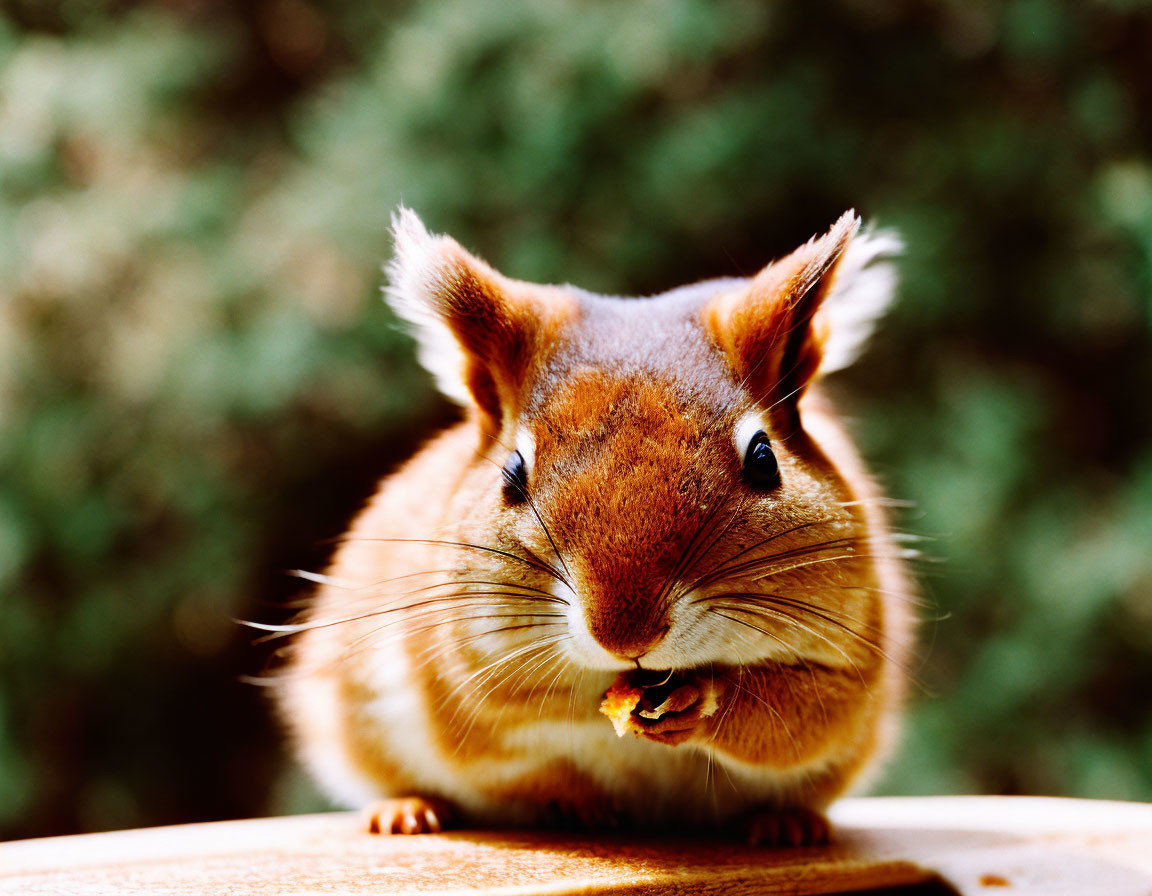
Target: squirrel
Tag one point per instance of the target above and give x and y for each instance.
(650, 512)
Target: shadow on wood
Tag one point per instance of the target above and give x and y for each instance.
(922, 846)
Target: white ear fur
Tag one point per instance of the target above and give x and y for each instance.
(414, 273)
(863, 287)
(862, 290)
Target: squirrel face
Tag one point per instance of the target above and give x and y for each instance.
(651, 453)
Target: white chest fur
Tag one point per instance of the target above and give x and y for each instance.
(648, 782)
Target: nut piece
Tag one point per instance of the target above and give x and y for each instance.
(618, 703)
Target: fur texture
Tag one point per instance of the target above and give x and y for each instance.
(462, 641)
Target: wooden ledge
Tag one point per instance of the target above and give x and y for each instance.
(985, 845)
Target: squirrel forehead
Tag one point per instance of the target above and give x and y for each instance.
(638, 358)
(595, 404)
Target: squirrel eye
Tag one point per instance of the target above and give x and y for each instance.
(760, 467)
(515, 474)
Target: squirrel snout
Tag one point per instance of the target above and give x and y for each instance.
(627, 639)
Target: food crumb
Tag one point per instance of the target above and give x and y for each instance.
(618, 704)
(993, 880)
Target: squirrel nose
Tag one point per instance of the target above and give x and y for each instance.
(629, 645)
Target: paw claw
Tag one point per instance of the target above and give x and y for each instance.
(407, 815)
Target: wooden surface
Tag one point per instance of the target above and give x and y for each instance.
(979, 845)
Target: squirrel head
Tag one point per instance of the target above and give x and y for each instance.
(645, 443)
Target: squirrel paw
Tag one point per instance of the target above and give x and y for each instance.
(676, 720)
(407, 815)
(581, 816)
(676, 710)
(786, 828)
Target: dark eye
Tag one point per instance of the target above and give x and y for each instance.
(760, 467)
(515, 475)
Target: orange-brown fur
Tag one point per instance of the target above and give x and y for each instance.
(399, 683)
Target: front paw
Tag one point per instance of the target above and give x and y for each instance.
(407, 815)
(773, 826)
(592, 813)
(675, 719)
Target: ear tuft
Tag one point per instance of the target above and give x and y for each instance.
(862, 289)
(415, 273)
(821, 254)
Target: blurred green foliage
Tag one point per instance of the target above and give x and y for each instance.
(198, 386)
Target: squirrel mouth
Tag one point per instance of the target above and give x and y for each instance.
(643, 696)
(662, 693)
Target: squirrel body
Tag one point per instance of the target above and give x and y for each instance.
(642, 487)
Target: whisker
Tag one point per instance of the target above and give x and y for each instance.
(907, 596)
(451, 614)
(448, 619)
(548, 690)
(877, 502)
(488, 672)
(506, 657)
(788, 647)
(450, 571)
(683, 560)
(467, 640)
(757, 598)
(464, 545)
(436, 650)
(721, 567)
(544, 597)
(567, 578)
(761, 576)
(802, 606)
(508, 480)
(453, 600)
(738, 569)
(781, 614)
(693, 553)
(455, 582)
(555, 572)
(320, 579)
(522, 676)
(772, 709)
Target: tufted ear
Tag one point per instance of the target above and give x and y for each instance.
(862, 289)
(807, 314)
(479, 333)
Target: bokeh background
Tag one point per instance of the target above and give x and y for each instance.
(199, 385)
